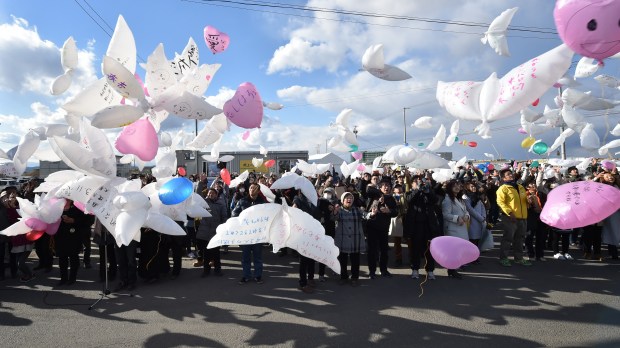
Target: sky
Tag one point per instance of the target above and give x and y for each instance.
(307, 58)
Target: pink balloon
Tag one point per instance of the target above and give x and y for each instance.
(245, 108)
(216, 40)
(490, 166)
(357, 155)
(270, 163)
(32, 236)
(138, 138)
(245, 135)
(608, 165)
(79, 205)
(36, 224)
(453, 252)
(522, 131)
(579, 204)
(52, 228)
(361, 167)
(146, 91)
(589, 27)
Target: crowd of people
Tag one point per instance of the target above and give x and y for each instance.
(363, 215)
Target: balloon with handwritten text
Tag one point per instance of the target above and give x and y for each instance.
(216, 40)
(245, 108)
(579, 204)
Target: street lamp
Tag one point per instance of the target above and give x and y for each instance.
(405, 125)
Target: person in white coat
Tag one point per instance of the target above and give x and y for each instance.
(455, 216)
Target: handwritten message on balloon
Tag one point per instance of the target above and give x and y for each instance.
(579, 204)
(216, 40)
(245, 108)
(281, 226)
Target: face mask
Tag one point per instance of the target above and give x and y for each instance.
(242, 190)
(327, 195)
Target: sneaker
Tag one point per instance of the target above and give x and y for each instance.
(559, 256)
(568, 257)
(415, 274)
(243, 281)
(505, 262)
(258, 280)
(430, 275)
(523, 262)
(322, 279)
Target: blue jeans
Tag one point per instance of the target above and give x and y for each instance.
(257, 257)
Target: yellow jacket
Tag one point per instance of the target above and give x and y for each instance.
(511, 201)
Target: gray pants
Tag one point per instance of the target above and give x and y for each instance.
(514, 233)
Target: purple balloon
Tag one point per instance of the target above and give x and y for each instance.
(579, 204)
(453, 252)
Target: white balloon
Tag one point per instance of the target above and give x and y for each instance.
(239, 179)
(226, 158)
(116, 116)
(159, 74)
(586, 101)
(257, 162)
(428, 160)
(163, 224)
(610, 145)
(390, 73)
(561, 139)
(198, 80)
(186, 61)
(373, 57)
(263, 150)
(438, 139)
(589, 138)
(496, 34)
(343, 118)
(93, 98)
(61, 83)
(423, 122)
(121, 79)
(122, 46)
(616, 130)
(292, 180)
(273, 106)
(69, 54)
(266, 191)
(606, 80)
(27, 146)
(405, 155)
(586, 67)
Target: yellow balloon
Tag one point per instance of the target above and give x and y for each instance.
(527, 142)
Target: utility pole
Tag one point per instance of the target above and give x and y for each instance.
(405, 125)
(197, 169)
(563, 146)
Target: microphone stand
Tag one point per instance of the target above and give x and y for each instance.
(106, 285)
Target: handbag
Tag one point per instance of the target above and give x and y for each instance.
(487, 242)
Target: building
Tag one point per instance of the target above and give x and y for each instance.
(284, 161)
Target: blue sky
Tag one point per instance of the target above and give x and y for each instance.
(306, 60)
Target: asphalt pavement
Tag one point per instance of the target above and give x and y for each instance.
(550, 304)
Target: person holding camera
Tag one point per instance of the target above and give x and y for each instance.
(381, 210)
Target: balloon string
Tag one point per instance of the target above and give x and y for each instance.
(155, 255)
(428, 244)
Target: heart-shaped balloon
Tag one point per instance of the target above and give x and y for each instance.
(257, 162)
(36, 224)
(357, 155)
(140, 139)
(270, 163)
(216, 40)
(245, 108)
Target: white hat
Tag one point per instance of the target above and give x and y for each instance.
(344, 195)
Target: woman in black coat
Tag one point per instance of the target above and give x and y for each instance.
(73, 224)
